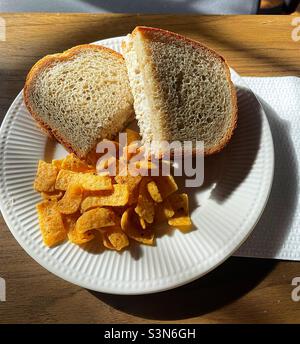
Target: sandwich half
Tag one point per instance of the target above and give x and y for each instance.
(182, 89)
(80, 96)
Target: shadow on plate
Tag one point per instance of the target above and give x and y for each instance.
(225, 171)
(230, 281)
(274, 224)
(96, 247)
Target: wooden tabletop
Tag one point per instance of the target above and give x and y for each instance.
(241, 290)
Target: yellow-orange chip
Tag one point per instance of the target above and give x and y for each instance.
(80, 238)
(115, 238)
(142, 223)
(181, 219)
(132, 183)
(132, 136)
(88, 181)
(131, 226)
(180, 202)
(45, 177)
(145, 205)
(57, 163)
(95, 219)
(52, 196)
(145, 208)
(72, 163)
(70, 220)
(73, 235)
(163, 211)
(166, 185)
(51, 223)
(154, 192)
(64, 178)
(106, 241)
(70, 203)
(118, 197)
(95, 183)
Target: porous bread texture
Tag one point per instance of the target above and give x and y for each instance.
(182, 89)
(80, 96)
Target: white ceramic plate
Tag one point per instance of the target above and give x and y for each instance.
(224, 210)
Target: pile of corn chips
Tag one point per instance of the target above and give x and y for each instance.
(78, 202)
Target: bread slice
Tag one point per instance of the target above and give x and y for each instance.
(182, 90)
(80, 96)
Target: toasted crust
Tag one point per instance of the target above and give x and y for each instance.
(146, 31)
(39, 67)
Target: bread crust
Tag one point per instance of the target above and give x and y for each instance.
(144, 31)
(39, 67)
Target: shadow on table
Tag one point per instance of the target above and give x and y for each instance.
(230, 281)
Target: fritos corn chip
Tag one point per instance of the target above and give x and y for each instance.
(116, 198)
(106, 241)
(45, 177)
(71, 200)
(181, 222)
(145, 205)
(70, 221)
(72, 163)
(166, 185)
(73, 235)
(163, 211)
(132, 183)
(80, 238)
(154, 192)
(115, 238)
(131, 226)
(142, 223)
(52, 196)
(51, 223)
(94, 183)
(181, 219)
(57, 163)
(95, 219)
(180, 202)
(88, 181)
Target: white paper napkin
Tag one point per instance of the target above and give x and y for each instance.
(277, 234)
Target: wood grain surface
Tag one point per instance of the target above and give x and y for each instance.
(241, 290)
